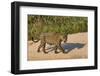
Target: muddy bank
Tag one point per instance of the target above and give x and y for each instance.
(76, 48)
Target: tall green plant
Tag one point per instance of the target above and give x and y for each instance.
(61, 24)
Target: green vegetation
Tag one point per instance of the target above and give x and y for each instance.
(61, 24)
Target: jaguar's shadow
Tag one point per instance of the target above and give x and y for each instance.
(70, 46)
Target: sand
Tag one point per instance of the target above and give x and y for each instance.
(76, 48)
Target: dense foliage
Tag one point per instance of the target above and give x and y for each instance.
(61, 24)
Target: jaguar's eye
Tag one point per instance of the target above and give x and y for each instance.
(32, 38)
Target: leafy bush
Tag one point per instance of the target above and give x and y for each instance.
(61, 24)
